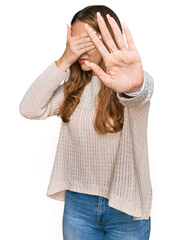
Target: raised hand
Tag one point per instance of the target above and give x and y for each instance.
(77, 45)
(124, 72)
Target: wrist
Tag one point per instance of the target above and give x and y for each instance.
(63, 64)
(133, 90)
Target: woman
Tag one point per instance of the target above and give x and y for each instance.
(101, 168)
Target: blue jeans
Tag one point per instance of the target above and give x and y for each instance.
(89, 217)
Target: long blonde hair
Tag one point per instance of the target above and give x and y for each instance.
(110, 118)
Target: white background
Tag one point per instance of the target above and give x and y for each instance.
(33, 34)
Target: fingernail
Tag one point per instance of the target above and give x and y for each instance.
(98, 14)
(86, 25)
(99, 37)
(87, 63)
(108, 15)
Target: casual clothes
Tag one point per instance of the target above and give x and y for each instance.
(114, 166)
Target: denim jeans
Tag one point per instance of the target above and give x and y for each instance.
(88, 217)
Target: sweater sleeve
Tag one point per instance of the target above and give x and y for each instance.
(141, 98)
(45, 94)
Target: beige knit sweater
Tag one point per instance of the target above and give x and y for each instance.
(114, 166)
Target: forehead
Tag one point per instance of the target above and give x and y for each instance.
(77, 28)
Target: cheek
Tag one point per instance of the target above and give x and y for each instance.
(94, 54)
(95, 51)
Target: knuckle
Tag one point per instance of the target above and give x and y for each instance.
(106, 38)
(89, 43)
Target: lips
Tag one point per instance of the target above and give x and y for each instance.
(82, 60)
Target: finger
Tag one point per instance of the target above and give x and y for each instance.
(106, 34)
(81, 44)
(97, 42)
(84, 50)
(83, 40)
(84, 45)
(129, 38)
(117, 33)
(80, 36)
(100, 73)
(68, 32)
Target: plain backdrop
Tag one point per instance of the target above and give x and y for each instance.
(33, 34)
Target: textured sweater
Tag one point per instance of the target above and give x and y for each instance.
(112, 165)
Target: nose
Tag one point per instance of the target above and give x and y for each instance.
(83, 56)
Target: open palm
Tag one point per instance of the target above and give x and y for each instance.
(124, 72)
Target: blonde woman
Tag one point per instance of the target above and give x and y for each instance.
(102, 94)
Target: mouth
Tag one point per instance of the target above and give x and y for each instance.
(82, 60)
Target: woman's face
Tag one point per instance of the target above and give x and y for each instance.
(92, 55)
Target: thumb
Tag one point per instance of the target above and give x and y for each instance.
(105, 78)
(68, 32)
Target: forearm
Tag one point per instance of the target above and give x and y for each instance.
(36, 99)
(63, 64)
